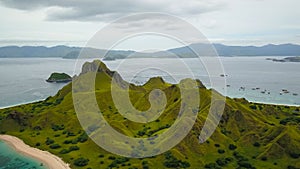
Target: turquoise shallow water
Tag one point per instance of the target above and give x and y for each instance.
(10, 159)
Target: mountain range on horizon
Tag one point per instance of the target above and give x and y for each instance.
(182, 52)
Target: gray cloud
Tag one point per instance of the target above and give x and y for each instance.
(95, 10)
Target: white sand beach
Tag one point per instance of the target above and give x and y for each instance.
(48, 159)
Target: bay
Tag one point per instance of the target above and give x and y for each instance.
(23, 80)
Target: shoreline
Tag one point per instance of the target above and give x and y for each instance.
(20, 104)
(47, 159)
(232, 97)
(258, 102)
(267, 103)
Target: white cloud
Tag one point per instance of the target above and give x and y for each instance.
(95, 10)
(227, 21)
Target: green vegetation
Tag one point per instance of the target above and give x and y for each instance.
(256, 144)
(59, 78)
(263, 137)
(72, 148)
(121, 161)
(173, 162)
(55, 146)
(49, 141)
(232, 147)
(81, 162)
(290, 120)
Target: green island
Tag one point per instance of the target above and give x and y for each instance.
(249, 135)
(59, 78)
(108, 59)
(287, 59)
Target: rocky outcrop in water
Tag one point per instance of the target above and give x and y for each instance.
(59, 78)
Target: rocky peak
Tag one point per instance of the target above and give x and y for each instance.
(96, 66)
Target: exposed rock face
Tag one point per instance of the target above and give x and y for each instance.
(99, 67)
(96, 66)
(59, 78)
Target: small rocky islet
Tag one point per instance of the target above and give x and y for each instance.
(59, 78)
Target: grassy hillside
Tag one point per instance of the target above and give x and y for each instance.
(249, 135)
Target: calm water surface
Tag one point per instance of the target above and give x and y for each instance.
(23, 80)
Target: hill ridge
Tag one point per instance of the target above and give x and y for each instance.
(249, 135)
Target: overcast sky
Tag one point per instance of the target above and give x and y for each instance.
(70, 22)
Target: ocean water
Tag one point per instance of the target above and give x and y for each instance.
(23, 80)
(253, 78)
(10, 159)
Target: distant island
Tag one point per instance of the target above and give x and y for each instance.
(108, 59)
(67, 52)
(59, 78)
(287, 59)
